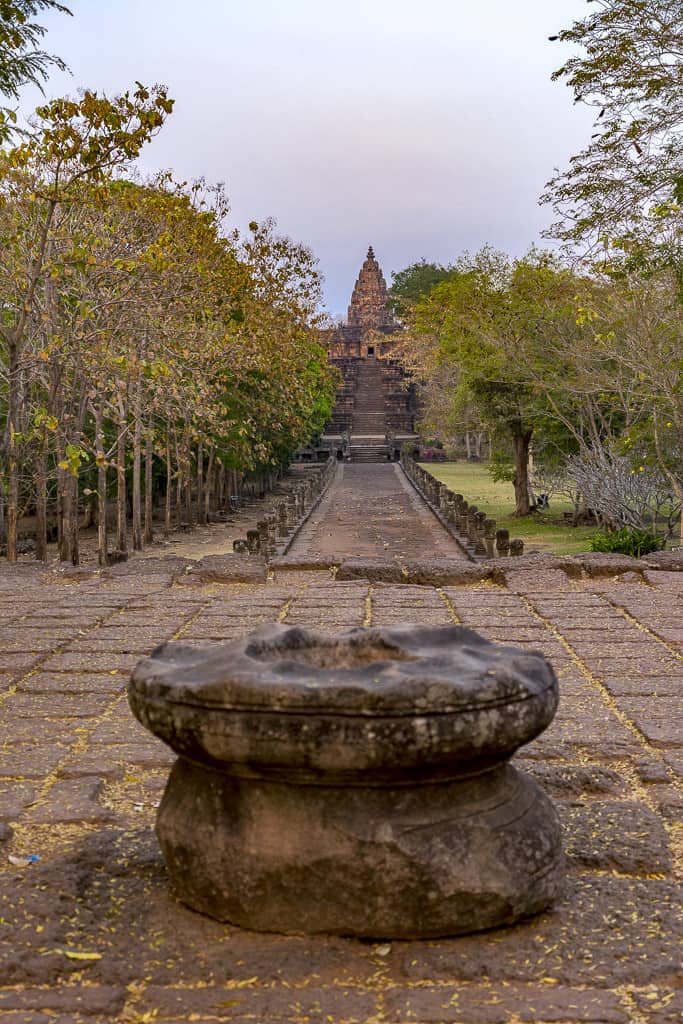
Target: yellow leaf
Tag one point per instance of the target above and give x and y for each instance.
(75, 954)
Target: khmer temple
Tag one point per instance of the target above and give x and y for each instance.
(374, 410)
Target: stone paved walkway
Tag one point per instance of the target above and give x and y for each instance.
(90, 932)
(371, 509)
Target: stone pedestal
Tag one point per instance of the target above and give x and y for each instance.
(355, 785)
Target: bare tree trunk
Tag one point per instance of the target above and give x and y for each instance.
(73, 521)
(3, 525)
(102, 542)
(201, 512)
(121, 518)
(521, 440)
(12, 454)
(63, 503)
(210, 486)
(187, 456)
(179, 482)
(149, 457)
(41, 500)
(169, 471)
(137, 466)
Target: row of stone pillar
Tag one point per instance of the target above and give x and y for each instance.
(273, 531)
(473, 526)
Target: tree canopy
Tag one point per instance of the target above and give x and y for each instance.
(631, 172)
(21, 59)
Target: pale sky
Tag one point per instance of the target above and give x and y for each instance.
(422, 127)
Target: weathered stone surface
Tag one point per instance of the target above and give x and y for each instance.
(457, 1004)
(535, 563)
(445, 572)
(72, 800)
(615, 835)
(598, 563)
(564, 780)
(406, 700)
(294, 563)
(381, 861)
(671, 561)
(226, 569)
(290, 807)
(608, 939)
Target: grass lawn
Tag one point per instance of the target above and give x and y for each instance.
(541, 531)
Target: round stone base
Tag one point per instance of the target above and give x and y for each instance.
(412, 861)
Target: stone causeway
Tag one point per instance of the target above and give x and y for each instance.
(89, 930)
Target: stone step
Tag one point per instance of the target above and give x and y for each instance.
(369, 453)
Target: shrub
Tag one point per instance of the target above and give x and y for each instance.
(626, 541)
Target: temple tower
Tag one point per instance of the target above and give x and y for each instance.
(369, 309)
(374, 410)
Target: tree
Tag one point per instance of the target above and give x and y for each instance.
(413, 283)
(21, 61)
(500, 324)
(631, 72)
(72, 142)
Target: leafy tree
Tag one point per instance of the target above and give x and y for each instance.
(21, 60)
(413, 283)
(72, 142)
(501, 324)
(631, 72)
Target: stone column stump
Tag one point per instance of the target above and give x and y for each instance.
(354, 785)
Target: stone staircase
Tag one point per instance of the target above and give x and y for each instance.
(370, 449)
(368, 429)
(368, 412)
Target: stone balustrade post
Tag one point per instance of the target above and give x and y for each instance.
(262, 527)
(479, 545)
(516, 547)
(472, 524)
(503, 542)
(490, 537)
(257, 538)
(461, 518)
(240, 546)
(283, 528)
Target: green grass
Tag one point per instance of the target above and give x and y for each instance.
(541, 531)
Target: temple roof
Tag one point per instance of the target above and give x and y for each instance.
(368, 309)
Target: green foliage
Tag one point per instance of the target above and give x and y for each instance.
(629, 177)
(21, 60)
(626, 541)
(414, 283)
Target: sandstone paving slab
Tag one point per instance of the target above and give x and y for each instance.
(639, 686)
(622, 835)
(607, 931)
(658, 720)
(32, 760)
(101, 884)
(29, 730)
(56, 683)
(15, 797)
(69, 705)
(90, 999)
(85, 661)
(69, 801)
(659, 1007)
(567, 780)
(353, 1005)
(442, 1004)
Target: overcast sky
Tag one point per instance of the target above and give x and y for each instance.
(422, 127)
